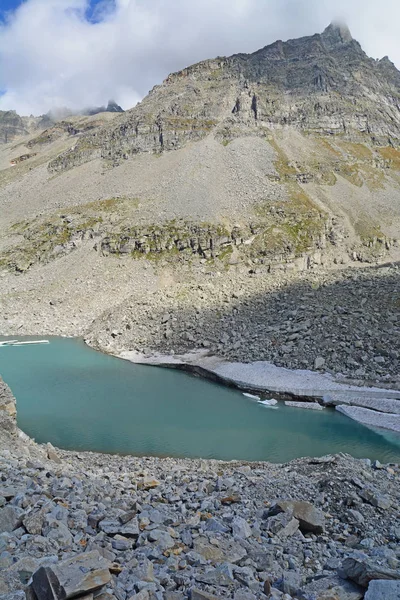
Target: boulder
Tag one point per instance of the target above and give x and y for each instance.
(310, 519)
(71, 578)
(363, 570)
(283, 525)
(129, 529)
(240, 528)
(375, 498)
(10, 518)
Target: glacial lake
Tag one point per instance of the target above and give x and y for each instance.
(79, 399)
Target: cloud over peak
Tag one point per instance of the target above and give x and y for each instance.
(78, 53)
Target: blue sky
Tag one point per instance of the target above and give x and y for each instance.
(10, 5)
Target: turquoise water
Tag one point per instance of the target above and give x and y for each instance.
(80, 399)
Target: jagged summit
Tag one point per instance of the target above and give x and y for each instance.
(337, 33)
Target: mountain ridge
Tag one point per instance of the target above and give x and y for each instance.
(323, 83)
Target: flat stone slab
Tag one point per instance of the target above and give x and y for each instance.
(372, 418)
(71, 578)
(306, 405)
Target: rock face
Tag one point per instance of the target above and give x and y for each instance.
(322, 84)
(11, 126)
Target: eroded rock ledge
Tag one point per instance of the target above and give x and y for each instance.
(85, 525)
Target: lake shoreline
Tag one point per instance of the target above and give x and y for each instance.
(267, 379)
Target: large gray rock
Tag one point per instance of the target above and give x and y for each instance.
(72, 578)
(240, 528)
(310, 519)
(34, 520)
(383, 590)
(129, 529)
(375, 497)
(10, 518)
(283, 525)
(363, 570)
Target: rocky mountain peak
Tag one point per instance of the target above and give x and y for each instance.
(336, 33)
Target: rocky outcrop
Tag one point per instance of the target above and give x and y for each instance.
(11, 126)
(207, 241)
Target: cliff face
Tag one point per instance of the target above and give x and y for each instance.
(12, 126)
(322, 84)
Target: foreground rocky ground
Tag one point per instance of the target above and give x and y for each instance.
(95, 526)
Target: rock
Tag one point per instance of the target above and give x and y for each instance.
(240, 528)
(375, 498)
(196, 594)
(73, 577)
(129, 529)
(291, 583)
(310, 519)
(162, 538)
(60, 533)
(216, 526)
(364, 570)
(383, 590)
(121, 543)
(319, 362)
(283, 525)
(34, 520)
(149, 482)
(52, 454)
(10, 518)
(233, 498)
(214, 577)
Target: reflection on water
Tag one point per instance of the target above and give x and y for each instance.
(80, 399)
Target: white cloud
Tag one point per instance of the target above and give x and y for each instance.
(51, 55)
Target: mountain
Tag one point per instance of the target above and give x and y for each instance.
(282, 161)
(13, 126)
(322, 84)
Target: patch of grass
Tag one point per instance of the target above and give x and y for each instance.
(392, 155)
(357, 151)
